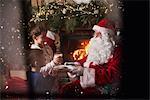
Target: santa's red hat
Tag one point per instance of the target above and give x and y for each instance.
(104, 25)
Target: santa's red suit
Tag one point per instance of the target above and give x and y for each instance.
(101, 72)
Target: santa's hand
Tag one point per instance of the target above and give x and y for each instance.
(78, 70)
(71, 75)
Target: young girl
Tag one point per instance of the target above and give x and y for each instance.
(41, 56)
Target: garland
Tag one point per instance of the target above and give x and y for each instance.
(66, 16)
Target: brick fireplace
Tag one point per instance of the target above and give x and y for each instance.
(73, 41)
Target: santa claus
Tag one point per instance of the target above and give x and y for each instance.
(99, 72)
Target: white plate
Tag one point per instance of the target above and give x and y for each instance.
(59, 67)
(70, 67)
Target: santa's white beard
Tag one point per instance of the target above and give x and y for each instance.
(100, 50)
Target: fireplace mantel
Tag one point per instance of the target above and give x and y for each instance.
(77, 33)
(77, 30)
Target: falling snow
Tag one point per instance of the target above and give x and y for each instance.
(21, 54)
(2, 48)
(17, 30)
(18, 37)
(12, 37)
(17, 48)
(2, 27)
(11, 44)
(12, 29)
(23, 23)
(1, 59)
(2, 5)
(15, 7)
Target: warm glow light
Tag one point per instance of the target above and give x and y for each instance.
(81, 53)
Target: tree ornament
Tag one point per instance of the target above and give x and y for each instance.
(82, 1)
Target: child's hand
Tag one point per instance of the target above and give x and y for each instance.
(43, 71)
(58, 59)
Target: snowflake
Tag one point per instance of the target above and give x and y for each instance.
(12, 37)
(17, 48)
(2, 48)
(2, 27)
(23, 24)
(23, 54)
(19, 51)
(20, 54)
(15, 7)
(47, 92)
(18, 37)
(2, 5)
(17, 30)
(20, 21)
(9, 43)
(2, 59)
(12, 29)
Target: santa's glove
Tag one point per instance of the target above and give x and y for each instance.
(78, 70)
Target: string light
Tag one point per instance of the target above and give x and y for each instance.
(54, 7)
(65, 11)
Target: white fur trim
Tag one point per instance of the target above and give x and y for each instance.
(47, 68)
(50, 35)
(102, 29)
(88, 78)
(35, 46)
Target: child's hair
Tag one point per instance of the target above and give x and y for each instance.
(35, 32)
(58, 53)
